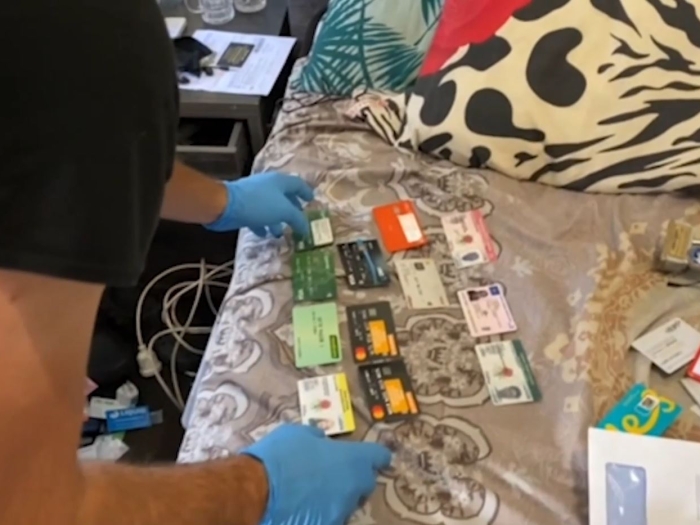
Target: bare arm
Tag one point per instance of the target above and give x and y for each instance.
(45, 329)
(191, 196)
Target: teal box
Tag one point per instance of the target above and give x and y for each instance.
(642, 411)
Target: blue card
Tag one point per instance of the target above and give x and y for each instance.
(642, 411)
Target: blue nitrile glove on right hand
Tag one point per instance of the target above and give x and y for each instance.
(264, 203)
(315, 480)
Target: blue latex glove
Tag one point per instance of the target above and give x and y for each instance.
(314, 480)
(264, 203)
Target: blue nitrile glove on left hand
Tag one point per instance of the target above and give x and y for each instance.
(264, 203)
(314, 480)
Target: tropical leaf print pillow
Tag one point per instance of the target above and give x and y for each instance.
(377, 44)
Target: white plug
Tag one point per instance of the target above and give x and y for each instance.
(149, 364)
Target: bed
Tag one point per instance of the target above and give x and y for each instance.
(577, 270)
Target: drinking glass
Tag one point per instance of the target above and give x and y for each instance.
(250, 6)
(214, 12)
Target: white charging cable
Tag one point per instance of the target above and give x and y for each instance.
(149, 364)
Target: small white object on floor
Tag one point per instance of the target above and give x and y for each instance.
(99, 406)
(128, 395)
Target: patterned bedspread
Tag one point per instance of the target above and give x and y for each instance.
(577, 272)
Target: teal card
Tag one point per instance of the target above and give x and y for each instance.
(316, 335)
(642, 411)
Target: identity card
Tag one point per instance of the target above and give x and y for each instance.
(486, 310)
(469, 240)
(507, 372)
(421, 283)
(325, 403)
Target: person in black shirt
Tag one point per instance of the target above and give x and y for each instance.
(87, 166)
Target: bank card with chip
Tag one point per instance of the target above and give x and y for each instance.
(316, 335)
(469, 240)
(372, 332)
(389, 391)
(421, 284)
(486, 310)
(507, 372)
(313, 276)
(364, 264)
(321, 232)
(325, 403)
(399, 227)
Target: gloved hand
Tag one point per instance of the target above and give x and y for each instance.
(264, 203)
(315, 480)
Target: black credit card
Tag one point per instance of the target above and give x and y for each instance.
(388, 391)
(364, 264)
(372, 332)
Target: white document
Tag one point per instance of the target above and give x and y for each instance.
(642, 480)
(259, 59)
(671, 346)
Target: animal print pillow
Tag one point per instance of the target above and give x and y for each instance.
(588, 95)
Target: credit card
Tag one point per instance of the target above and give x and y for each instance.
(313, 276)
(364, 264)
(320, 228)
(372, 332)
(389, 391)
(421, 284)
(325, 403)
(469, 240)
(486, 310)
(507, 372)
(399, 227)
(316, 335)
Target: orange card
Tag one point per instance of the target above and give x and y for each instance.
(399, 227)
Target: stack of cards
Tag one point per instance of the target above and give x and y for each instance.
(469, 240)
(313, 276)
(421, 283)
(486, 311)
(399, 227)
(364, 264)
(316, 335)
(325, 403)
(507, 372)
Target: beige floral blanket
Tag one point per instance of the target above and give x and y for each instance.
(577, 270)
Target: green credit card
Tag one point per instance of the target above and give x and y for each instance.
(316, 335)
(313, 276)
(321, 233)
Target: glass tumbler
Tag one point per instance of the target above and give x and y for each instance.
(214, 12)
(250, 6)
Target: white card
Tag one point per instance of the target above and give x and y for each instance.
(421, 284)
(321, 231)
(469, 240)
(507, 372)
(325, 403)
(486, 310)
(671, 346)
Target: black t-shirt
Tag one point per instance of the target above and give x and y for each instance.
(87, 135)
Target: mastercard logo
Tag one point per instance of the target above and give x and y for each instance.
(360, 354)
(378, 412)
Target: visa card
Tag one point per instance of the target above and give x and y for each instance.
(421, 283)
(321, 232)
(486, 310)
(372, 332)
(507, 372)
(364, 264)
(642, 411)
(316, 335)
(325, 403)
(469, 240)
(313, 276)
(389, 391)
(399, 227)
